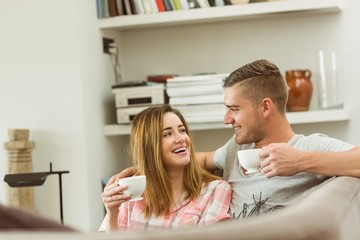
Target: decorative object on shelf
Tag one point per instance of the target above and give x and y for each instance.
(328, 85)
(132, 99)
(300, 90)
(19, 161)
(114, 54)
(26, 180)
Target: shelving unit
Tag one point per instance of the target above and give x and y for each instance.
(227, 13)
(333, 115)
(216, 14)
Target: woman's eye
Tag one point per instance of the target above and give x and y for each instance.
(167, 134)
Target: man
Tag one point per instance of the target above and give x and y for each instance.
(255, 97)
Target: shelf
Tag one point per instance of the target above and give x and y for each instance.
(334, 115)
(216, 14)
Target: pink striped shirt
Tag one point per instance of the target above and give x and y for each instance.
(210, 207)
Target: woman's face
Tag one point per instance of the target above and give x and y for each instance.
(175, 142)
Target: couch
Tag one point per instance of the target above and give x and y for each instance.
(329, 211)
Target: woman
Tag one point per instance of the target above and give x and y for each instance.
(178, 192)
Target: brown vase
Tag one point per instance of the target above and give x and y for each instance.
(300, 90)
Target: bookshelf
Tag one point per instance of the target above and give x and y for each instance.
(333, 115)
(222, 14)
(216, 14)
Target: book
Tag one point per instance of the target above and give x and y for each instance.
(160, 78)
(168, 5)
(211, 3)
(105, 4)
(175, 84)
(193, 91)
(112, 8)
(153, 6)
(139, 7)
(99, 8)
(176, 4)
(203, 3)
(220, 3)
(184, 4)
(120, 7)
(199, 77)
(160, 4)
(147, 6)
(204, 119)
(200, 80)
(200, 99)
(202, 109)
(127, 7)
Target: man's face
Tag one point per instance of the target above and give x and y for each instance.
(246, 119)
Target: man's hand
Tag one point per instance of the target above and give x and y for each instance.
(127, 172)
(280, 159)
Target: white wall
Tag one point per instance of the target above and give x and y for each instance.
(55, 80)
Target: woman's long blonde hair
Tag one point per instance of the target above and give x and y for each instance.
(145, 150)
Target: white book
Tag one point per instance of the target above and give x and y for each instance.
(200, 99)
(147, 6)
(154, 6)
(202, 77)
(197, 90)
(203, 119)
(139, 7)
(203, 3)
(202, 109)
(199, 83)
(184, 4)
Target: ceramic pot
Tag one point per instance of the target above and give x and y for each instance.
(300, 90)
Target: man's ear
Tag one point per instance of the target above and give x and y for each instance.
(266, 107)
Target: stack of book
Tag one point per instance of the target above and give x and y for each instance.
(113, 8)
(200, 98)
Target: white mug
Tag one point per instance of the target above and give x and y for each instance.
(250, 160)
(135, 186)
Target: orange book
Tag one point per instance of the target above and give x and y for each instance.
(160, 5)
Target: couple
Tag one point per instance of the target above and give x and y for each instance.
(255, 98)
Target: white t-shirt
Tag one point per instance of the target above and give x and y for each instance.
(255, 193)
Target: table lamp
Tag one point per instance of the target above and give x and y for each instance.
(35, 179)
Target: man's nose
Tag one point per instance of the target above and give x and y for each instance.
(228, 119)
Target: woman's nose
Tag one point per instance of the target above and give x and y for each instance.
(179, 137)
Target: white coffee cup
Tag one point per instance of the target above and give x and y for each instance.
(135, 186)
(250, 160)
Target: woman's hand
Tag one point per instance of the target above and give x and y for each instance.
(113, 196)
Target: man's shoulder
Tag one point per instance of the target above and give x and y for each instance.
(219, 184)
(299, 138)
